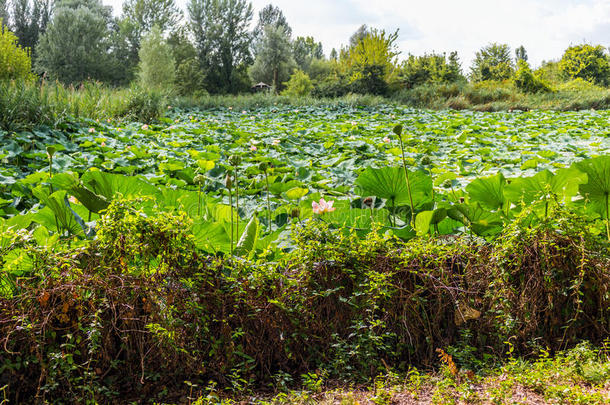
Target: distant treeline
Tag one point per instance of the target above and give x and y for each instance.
(210, 49)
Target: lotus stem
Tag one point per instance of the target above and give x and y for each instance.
(404, 166)
(607, 219)
(236, 205)
(268, 202)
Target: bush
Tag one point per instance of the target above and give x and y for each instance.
(15, 62)
(586, 62)
(145, 105)
(526, 81)
(140, 310)
(299, 85)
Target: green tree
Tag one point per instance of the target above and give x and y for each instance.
(528, 82)
(270, 15)
(15, 62)
(220, 30)
(333, 54)
(520, 54)
(4, 15)
(140, 16)
(371, 62)
(30, 20)
(305, 50)
(299, 85)
(359, 35)
(190, 77)
(157, 65)
(274, 62)
(76, 45)
(492, 62)
(586, 62)
(433, 68)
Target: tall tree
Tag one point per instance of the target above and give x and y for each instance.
(371, 62)
(587, 62)
(75, 46)
(4, 15)
(274, 62)
(305, 50)
(270, 15)
(359, 35)
(30, 21)
(492, 62)
(220, 31)
(520, 54)
(140, 16)
(157, 65)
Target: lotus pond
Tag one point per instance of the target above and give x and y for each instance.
(245, 178)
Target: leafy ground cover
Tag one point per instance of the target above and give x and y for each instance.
(244, 249)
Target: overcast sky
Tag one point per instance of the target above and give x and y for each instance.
(544, 27)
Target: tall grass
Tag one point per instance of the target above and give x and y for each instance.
(269, 100)
(25, 105)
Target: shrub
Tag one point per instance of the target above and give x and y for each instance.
(526, 81)
(492, 62)
(145, 105)
(15, 62)
(299, 85)
(586, 62)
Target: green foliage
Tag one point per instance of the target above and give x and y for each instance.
(269, 15)
(274, 62)
(75, 47)
(145, 105)
(221, 34)
(299, 85)
(433, 68)
(15, 63)
(528, 82)
(586, 62)
(371, 62)
(305, 51)
(29, 21)
(190, 79)
(550, 72)
(157, 66)
(492, 62)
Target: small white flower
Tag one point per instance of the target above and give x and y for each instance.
(275, 142)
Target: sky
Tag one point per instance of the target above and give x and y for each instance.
(544, 27)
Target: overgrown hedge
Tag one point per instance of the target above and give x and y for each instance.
(140, 311)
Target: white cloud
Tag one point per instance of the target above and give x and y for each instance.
(544, 27)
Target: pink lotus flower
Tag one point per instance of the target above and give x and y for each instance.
(145, 127)
(387, 140)
(73, 199)
(253, 148)
(275, 142)
(103, 144)
(322, 207)
(91, 130)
